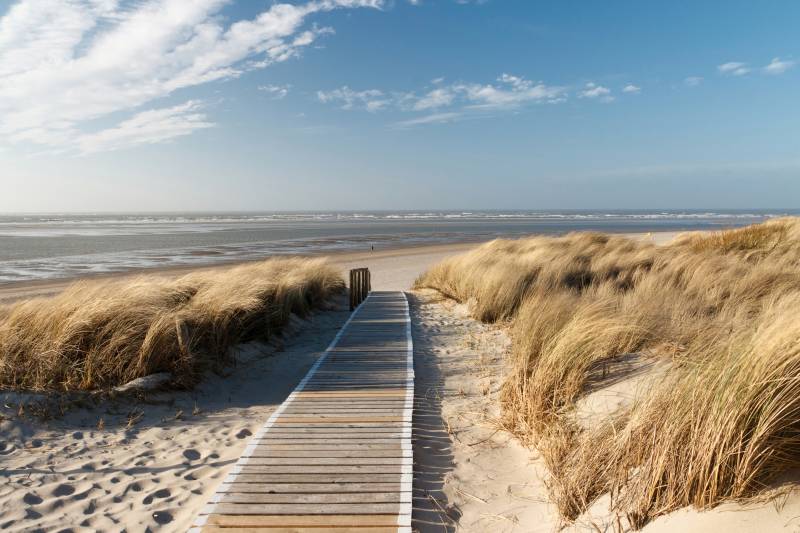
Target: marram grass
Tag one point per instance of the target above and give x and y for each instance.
(722, 308)
(97, 335)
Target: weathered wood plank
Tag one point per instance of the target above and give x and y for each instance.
(312, 488)
(306, 508)
(295, 529)
(343, 451)
(321, 469)
(272, 477)
(331, 419)
(340, 520)
(322, 499)
(314, 462)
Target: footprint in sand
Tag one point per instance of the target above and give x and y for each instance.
(91, 508)
(63, 490)
(32, 499)
(162, 517)
(192, 455)
(243, 433)
(161, 493)
(77, 435)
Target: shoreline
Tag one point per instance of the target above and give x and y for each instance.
(19, 290)
(43, 288)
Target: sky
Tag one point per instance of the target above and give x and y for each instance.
(253, 105)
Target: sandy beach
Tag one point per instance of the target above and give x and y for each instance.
(151, 461)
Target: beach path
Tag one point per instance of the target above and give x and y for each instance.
(336, 455)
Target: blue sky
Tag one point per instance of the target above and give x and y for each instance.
(369, 104)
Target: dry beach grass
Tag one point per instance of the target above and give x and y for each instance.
(102, 334)
(721, 311)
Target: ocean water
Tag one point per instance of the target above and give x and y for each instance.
(45, 246)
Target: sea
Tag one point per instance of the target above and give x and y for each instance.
(50, 246)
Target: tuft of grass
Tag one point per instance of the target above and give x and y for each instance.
(751, 238)
(97, 335)
(722, 308)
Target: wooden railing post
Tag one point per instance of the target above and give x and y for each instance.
(360, 286)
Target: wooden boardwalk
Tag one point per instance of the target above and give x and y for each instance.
(336, 455)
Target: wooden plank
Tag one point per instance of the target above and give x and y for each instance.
(313, 488)
(273, 477)
(321, 469)
(295, 529)
(321, 499)
(337, 419)
(355, 431)
(315, 462)
(306, 445)
(338, 520)
(306, 508)
(327, 450)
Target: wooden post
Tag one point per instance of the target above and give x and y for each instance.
(360, 286)
(352, 291)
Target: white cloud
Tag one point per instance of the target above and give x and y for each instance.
(734, 68)
(778, 66)
(509, 93)
(277, 92)
(148, 127)
(435, 118)
(693, 81)
(632, 89)
(371, 100)
(66, 63)
(594, 91)
(435, 98)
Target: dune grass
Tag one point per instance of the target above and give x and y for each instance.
(723, 308)
(97, 335)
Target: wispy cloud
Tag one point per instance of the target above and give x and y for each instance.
(510, 92)
(693, 81)
(631, 89)
(447, 102)
(435, 118)
(435, 99)
(778, 66)
(148, 127)
(595, 91)
(64, 64)
(277, 92)
(371, 100)
(734, 68)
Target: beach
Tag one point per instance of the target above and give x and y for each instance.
(392, 269)
(152, 460)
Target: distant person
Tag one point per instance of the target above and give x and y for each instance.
(371, 247)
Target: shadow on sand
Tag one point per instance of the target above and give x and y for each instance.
(433, 457)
